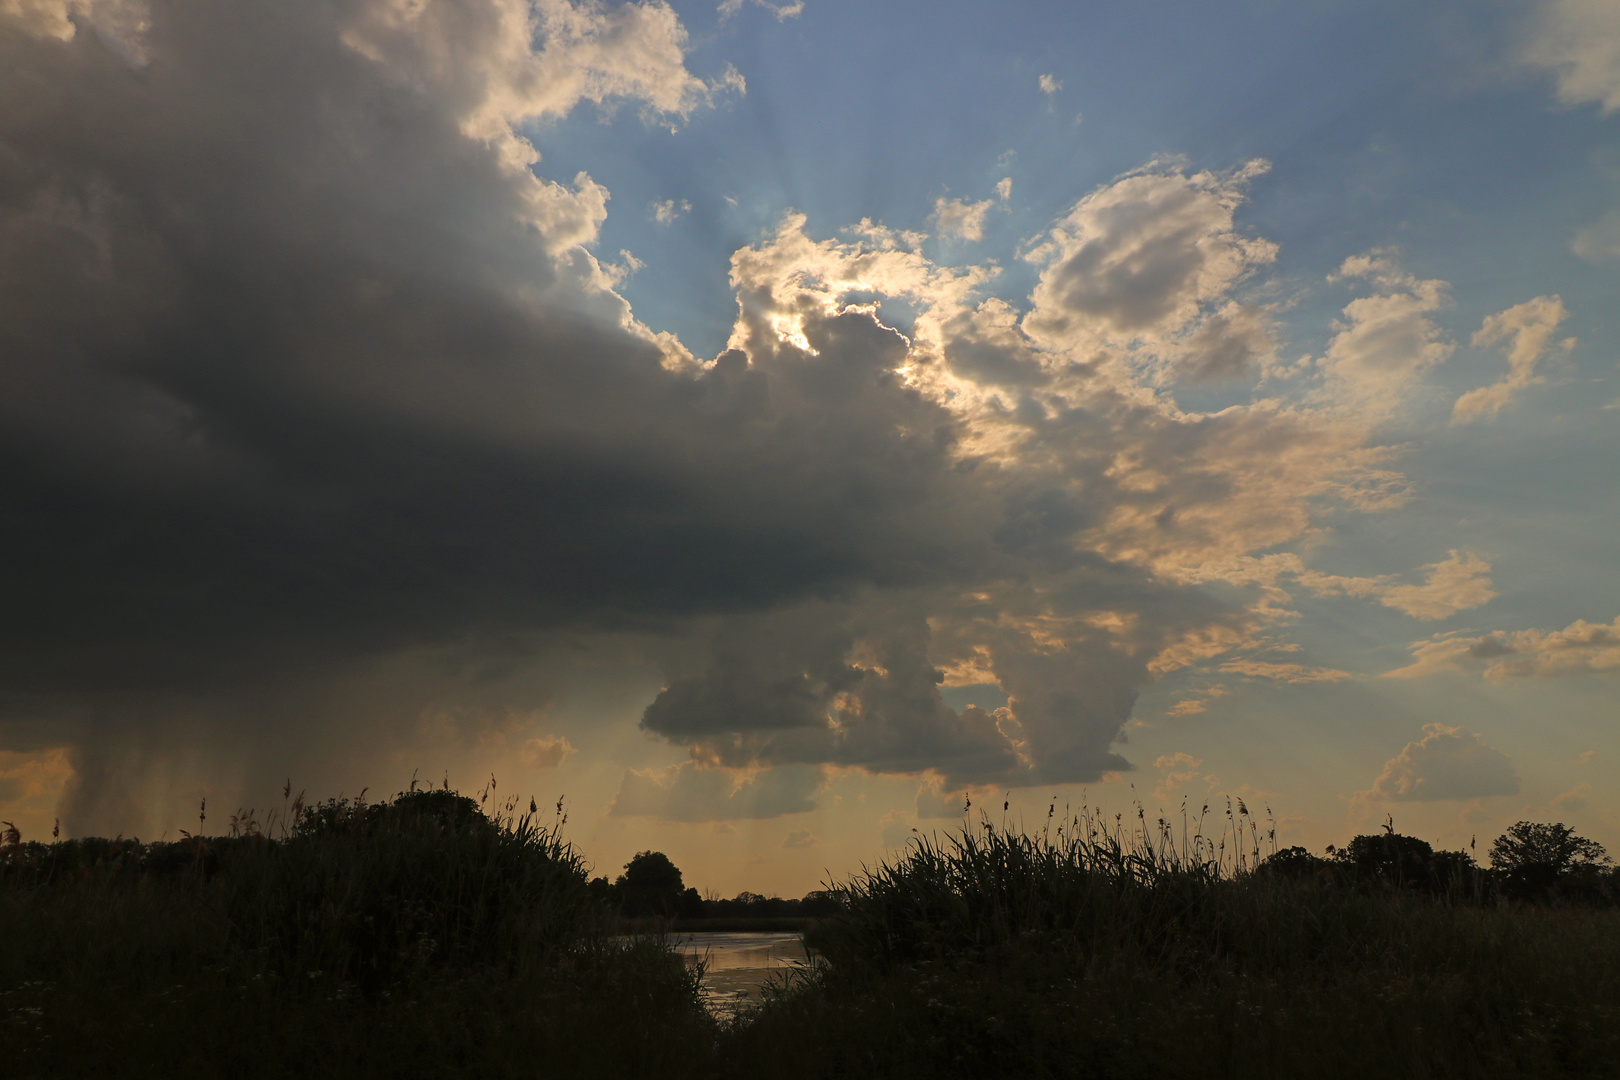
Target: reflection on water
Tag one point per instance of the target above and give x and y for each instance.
(737, 964)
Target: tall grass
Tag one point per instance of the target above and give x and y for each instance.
(410, 937)
(1132, 951)
(425, 937)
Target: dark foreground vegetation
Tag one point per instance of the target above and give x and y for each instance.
(423, 937)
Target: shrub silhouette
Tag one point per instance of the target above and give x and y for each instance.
(1390, 860)
(1297, 863)
(374, 893)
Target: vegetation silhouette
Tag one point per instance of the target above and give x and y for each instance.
(1537, 861)
(434, 935)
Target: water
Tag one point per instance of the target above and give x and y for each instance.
(739, 963)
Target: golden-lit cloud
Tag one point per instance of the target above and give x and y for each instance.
(959, 219)
(1447, 763)
(1388, 340)
(1527, 331)
(1460, 582)
(691, 793)
(120, 23)
(1581, 647)
(1288, 673)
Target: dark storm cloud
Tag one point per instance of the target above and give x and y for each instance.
(277, 383)
(296, 374)
(317, 412)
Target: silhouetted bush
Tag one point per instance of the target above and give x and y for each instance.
(1390, 860)
(1298, 864)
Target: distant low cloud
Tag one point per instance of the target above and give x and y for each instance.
(1574, 800)
(1050, 84)
(799, 839)
(1599, 242)
(1578, 41)
(1526, 330)
(1447, 763)
(1176, 772)
(689, 792)
(935, 800)
(546, 752)
(1579, 648)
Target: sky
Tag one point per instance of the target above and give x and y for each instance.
(770, 429)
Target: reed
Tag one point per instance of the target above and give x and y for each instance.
(434, 935)
(349, 939)
(1135, 949)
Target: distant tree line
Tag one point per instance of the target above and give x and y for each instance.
(651, 885)
(1531, 862)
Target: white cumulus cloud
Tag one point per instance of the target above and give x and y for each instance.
(669, 210)
(1578, 41)
(959, 218)
(1388, 340)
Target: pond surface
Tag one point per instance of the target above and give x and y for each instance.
(737, 964)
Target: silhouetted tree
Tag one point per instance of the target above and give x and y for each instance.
(1535, 859)
(650, 885)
